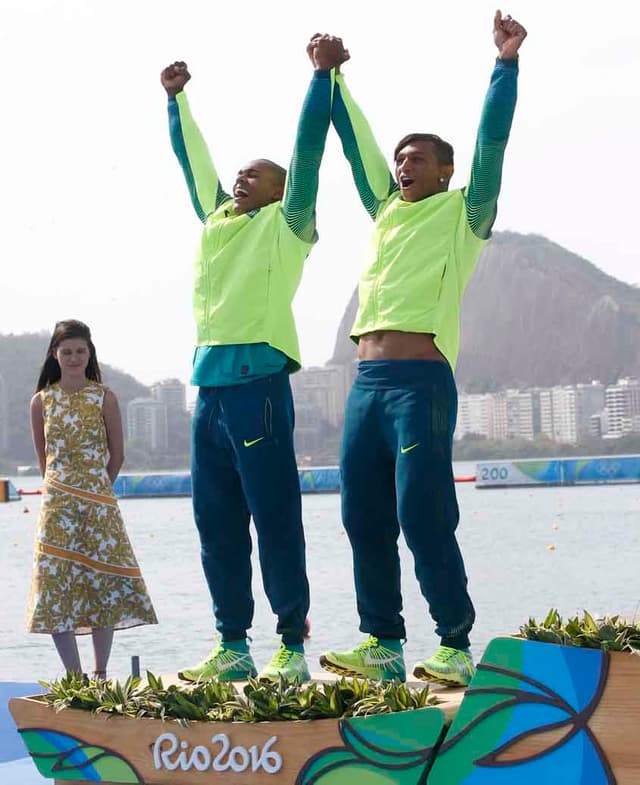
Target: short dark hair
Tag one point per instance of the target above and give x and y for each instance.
(444, 151)
(279, 172)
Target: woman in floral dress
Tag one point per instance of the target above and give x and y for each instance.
(85, 578)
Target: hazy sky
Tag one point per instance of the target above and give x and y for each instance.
(96, 221)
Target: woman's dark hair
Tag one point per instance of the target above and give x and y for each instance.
(69, 328)
(443, 150)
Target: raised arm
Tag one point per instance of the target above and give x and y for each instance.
(371, 174)
(189, 146)
(481, 194)
(301, 189)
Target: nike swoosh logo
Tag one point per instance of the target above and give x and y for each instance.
(368, 660)
(403, 450)
(240, 662)
(252, 442)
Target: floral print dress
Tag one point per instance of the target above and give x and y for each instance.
(85, 574)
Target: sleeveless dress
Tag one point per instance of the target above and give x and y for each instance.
(85, 574)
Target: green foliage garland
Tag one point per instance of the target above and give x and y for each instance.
(610, 633)
(256, 701)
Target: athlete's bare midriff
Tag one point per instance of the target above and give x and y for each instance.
(396, 345)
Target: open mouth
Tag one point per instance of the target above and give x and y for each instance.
(405, 182)
(240, 193)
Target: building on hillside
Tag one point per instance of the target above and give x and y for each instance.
(564, 414)
(590, 401)
(320, 395)
(571, 413)
(323, 390)
(523, 414)
(147, 424)
(599, 424)
(308, 432)
(475, 413)
(516, 414)
(622, 404)
(545, 397)
(173, 394)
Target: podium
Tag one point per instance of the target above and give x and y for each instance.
(534, 713)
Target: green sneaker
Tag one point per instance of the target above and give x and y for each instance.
(223, 664)
(286, 664)
(451, 667)
(369, 660)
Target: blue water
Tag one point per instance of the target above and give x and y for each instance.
(525, 550)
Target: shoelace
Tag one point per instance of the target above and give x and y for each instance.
(214, 654)
(371, 642)
(282, 657)
(445, 655)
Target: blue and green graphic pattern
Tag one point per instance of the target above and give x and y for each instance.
(57, 755)
(390, 749)
(523, 690)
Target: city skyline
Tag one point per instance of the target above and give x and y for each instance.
(566, 413)
(157, 426)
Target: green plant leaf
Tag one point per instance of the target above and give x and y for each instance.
(609, 633)
(257, 702)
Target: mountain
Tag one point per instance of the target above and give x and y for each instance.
(535, 314)
(21, 357)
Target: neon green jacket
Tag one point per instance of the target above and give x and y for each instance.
(249, 266)
(422, 253)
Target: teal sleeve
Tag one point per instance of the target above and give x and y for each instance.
(301, 190)
(191, 151)
(481, 195)
(371, 174)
